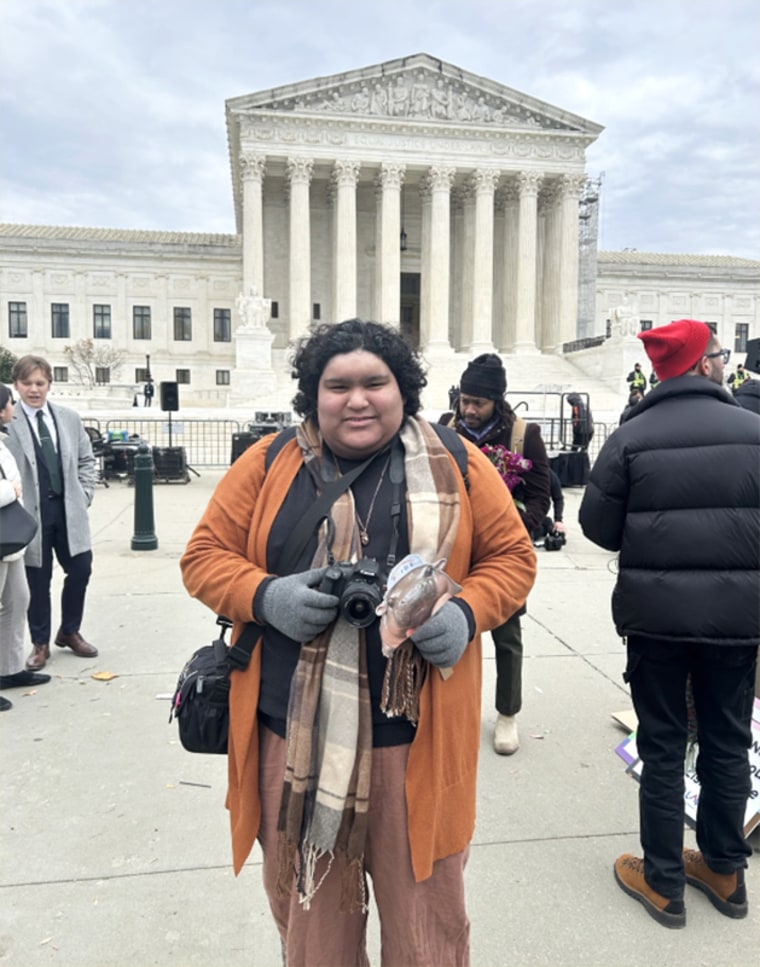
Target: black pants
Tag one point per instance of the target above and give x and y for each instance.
(723, 685)
(507, 640)
(77, 569)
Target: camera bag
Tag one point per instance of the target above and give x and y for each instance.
(200, 703)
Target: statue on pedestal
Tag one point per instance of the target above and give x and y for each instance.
(625, 320)
(254, 311)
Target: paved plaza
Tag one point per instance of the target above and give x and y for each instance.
(115, 846)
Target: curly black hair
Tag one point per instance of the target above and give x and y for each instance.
(312, 353)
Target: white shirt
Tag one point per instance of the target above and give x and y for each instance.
(49, 421)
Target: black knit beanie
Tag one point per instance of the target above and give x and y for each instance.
(485, 377)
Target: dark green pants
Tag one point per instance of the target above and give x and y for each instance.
(507, 640)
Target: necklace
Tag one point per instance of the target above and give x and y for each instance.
(364, 525)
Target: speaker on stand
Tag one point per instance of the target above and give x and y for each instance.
(170, 402)
(170, 462)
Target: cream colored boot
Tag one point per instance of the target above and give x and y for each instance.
(505, 738)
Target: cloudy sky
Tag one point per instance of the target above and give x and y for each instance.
(112, 111)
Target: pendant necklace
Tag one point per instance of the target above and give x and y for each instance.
(364, 525)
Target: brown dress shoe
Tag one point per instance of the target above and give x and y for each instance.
(38, 658)
(77, 644)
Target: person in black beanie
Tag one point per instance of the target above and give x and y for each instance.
(483, 416)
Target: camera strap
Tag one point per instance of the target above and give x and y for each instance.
(300, 535)
(396, 476)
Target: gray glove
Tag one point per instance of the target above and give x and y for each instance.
(443, 637)
(294, 606)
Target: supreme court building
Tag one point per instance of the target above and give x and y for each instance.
(411, 192)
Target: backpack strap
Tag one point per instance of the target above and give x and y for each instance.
(281, 438)
(517, 440)
(453, 443)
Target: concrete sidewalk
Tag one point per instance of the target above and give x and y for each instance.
(115, 845)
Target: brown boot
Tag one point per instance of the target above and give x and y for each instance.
(629, 873)
(38, 658)
(726, 891)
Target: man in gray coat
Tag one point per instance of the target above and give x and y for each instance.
(57, 467)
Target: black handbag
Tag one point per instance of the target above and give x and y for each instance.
(17, 527)
(200, 703)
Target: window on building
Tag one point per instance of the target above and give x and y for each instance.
(740, 337)
(60, 374)
(141, 322)
(607, 328)
(645, 324)
(222, 377)
(141, 375)
(222, 325)
(183, 376)
(183, 324)
(101, 322)
(275, 310)
(316, 312)
(17, 324)
(59, 312)
(713, 326)
(102, 375)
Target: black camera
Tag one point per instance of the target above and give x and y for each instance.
(358, 586)
(554, 541)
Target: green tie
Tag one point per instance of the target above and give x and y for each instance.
(48, 452)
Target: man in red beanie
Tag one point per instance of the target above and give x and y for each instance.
(484, 417)
(676, 491)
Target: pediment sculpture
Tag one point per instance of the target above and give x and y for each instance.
(419, 95)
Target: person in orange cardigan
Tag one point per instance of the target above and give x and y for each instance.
(343, 763)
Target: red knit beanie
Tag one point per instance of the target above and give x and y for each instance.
(675, 348)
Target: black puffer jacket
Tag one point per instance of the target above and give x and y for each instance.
(676, 489)
(748, 395)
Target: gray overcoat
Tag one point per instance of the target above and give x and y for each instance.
(79, 476)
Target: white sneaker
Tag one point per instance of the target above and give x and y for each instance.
(505, 738)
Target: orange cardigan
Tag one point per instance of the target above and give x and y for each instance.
(492, 558)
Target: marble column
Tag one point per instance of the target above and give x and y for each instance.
(467, 270)
(436, 260)
(572, 186)
(299, 286)
(253, 167)
(510, 197)
(345, 179)
(525, 340)
(388, 185)
(484, 183)
(457, 267)
(547, 327)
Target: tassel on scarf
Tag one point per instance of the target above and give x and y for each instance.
(404, 675)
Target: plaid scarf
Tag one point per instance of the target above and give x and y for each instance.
(325, 799)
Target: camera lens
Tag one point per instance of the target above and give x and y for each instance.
(358, 612)
(358, 604)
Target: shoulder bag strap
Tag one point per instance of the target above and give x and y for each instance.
(300, 535)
